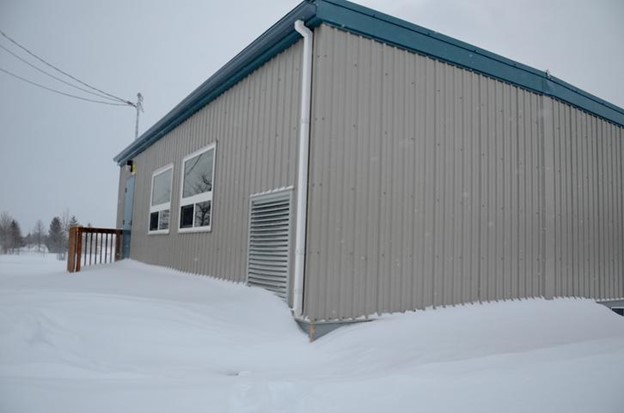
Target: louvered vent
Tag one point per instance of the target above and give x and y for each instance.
(269, 238)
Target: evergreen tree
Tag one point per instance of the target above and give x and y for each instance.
(16, 240)
(28, 240)
(5, 227)
(56, 242)
(73, 222)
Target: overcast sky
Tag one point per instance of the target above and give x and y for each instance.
(56, 152)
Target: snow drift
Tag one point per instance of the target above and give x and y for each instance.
(132, 337)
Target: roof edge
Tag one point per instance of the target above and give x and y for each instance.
(274, 40)
(400, 33)
(369, 23)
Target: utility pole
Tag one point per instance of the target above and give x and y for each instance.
(139, 108)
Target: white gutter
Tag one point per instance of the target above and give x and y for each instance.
(302, 174)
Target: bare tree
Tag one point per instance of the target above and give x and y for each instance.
(65, 221)
(38, 236)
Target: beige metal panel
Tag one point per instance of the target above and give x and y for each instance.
(582, 181)
(619, 190)
(490, 195)
(523, 211)
(438, 167)
(548, 219)
(589, 205)
(429, 145)
(602, 205)
(513, 185)
(431, 185)
(560, 184)
(387, 160)
(472, 188)
(254, 125)
(426, 184)
(349, 172)
(592, 215)
(577, 210)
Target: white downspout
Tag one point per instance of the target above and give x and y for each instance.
(302, 175)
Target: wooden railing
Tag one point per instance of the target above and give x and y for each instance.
(90, 246)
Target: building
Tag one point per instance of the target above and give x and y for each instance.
(356, 164)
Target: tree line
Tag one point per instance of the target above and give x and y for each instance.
(53, 240)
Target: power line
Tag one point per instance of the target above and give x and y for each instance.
(54, 77)
(65, 73)
(59, 92)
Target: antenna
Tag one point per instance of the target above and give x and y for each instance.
(139, 108)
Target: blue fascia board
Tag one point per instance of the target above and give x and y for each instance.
(381, 27)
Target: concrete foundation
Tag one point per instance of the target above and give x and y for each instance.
(316, 330)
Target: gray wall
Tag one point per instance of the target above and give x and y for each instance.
(587, 204)
(255, 125)
(432, 185)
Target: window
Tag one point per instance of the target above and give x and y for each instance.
(160, 205)
(196, 196)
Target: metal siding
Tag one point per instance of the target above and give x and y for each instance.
(431, 185)
(619, 153)
(589, 207)
(385, 197)
(428, 183)
(472, 187)
(584, 219)
(347, 263)
(522, 172)
(428, 194)
(592, 219)
(490, 281)
(548, 230)
(255, 129)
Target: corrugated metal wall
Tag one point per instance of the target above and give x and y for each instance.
(588, 205)
(428, 187)
(255, 126)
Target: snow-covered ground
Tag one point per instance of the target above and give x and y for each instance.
(128, 337)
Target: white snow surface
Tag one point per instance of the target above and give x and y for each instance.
(128, 337)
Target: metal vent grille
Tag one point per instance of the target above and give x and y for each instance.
(269, 241)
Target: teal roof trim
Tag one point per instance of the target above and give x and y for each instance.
(381, 27)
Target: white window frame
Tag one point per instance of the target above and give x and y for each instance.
(163, 206)
(203, 197)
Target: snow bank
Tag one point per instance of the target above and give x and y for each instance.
(132, 337)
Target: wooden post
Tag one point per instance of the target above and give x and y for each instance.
(118, 235)
(71, 257)
(78, 248)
